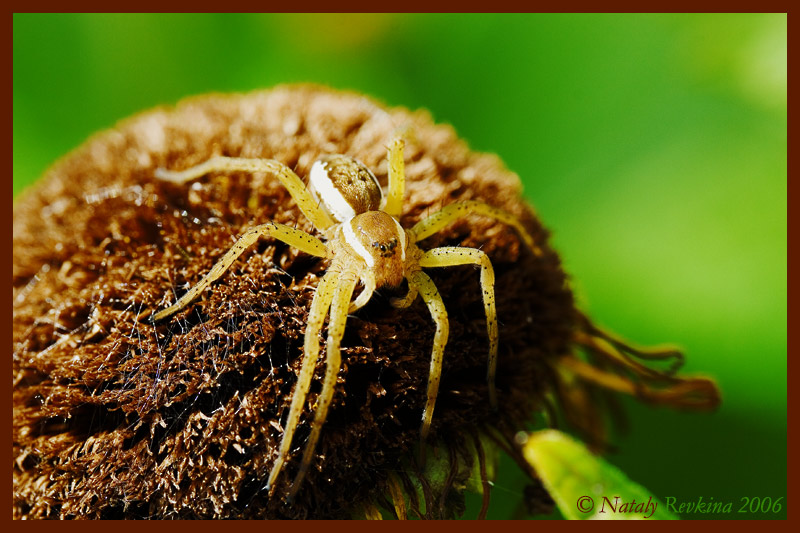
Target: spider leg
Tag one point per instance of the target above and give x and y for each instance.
(408, 299)
(369, 288)
(430, 295)
(287, 177)
(336, 327)
(397, 178)
(316, 318)
(451, 256)
(449, 213)
(293, 237)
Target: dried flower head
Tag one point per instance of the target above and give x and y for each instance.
(114, 417)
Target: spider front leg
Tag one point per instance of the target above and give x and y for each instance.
(316, 318)
(287, 177)
(421, 282)
(449, 213)
(452, 256)
(336, 326)
(397, 179)
(293, 237)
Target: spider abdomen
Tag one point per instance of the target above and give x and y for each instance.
(343, 187)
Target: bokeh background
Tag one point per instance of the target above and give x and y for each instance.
(653, 146)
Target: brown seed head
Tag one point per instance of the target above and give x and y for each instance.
(115, 417)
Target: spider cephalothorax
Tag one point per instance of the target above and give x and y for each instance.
(365, 243)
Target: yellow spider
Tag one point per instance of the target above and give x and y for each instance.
(364, 242)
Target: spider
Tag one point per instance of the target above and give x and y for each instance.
(364, 242)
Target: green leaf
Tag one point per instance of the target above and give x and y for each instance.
(585, 486)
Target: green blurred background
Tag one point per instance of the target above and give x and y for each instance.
(653, 146)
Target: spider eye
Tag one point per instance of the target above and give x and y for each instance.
(386, 249)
